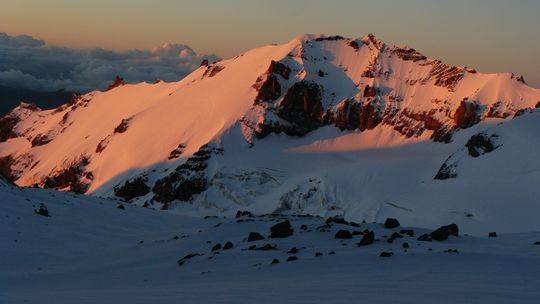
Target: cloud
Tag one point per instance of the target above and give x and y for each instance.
(27, 62)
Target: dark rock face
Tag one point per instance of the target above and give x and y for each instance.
(446, 76)
(386, 254)
(41, 139)
(6, 172)
(352, 115)
(302, 106)
(465, 115)
(182, 261)
(70, 178)
(281, 230)
(43, 211)
(254, 236)
(480, 144)
(370, 91)
(279, 68)
(269, 90)
(354, 45)
(391, 223)
(123, 126)
(443, 232)
(204, 63)
(408, 54)
(212, 70)
(132, 188)
(118, 81)
(343, 234)
(7, 125)
(446, 172)
(367, 239)
(292, 258)
(177, 152)
(537, 106)
(187, 180)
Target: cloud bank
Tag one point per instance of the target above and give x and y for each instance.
(30, 63)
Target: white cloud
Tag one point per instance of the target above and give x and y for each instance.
(30, 63)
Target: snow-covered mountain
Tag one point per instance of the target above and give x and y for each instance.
(320, 125)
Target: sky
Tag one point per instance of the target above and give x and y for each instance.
(489, 35)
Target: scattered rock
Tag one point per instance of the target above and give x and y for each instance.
(275, 261)
(443, 232)
(292, 258)
(391, 223)
(227, 246)
(408, 232)
(304, 227)
(120, 206)
(367, 239)
(216, 247)
(425, 238)
(266, 247)
(42, 210)
(243, 214)
(337, 220)
(254, 236)
(281, 230)
(386, 254)
(343, 234)
(331, 253)
(293, 250)
(188, 257)
(318, 254)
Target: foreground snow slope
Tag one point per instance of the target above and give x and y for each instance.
(89, 251)
(319, 125)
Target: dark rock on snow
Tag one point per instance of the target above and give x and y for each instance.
(281, 230)
(254, 236)
(391, 223)
(367, 239)
(343, 234)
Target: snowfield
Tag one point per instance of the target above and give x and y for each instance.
(89, 251)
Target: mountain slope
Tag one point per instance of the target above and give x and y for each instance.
(366, 127)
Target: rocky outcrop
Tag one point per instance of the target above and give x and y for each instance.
(465, 115)
(72, 177)
(268, 86)
(408, 54)
(132, 188)
(123, 126)
(118, 81)
(480, 144)
(187, 180)
(302, 107)
(352, 115)
(12, 118)
(446, 76)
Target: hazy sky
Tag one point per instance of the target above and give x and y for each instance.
(490, 35)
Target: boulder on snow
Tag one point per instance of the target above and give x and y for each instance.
(254, 236)
(386, 254)
(492, 234)
(443, 232)
(281, 230)
(228, 245)
(343, 234)
(391, 223)
(367, 239)
(216, 247)
(42, 210)
(292, 258)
